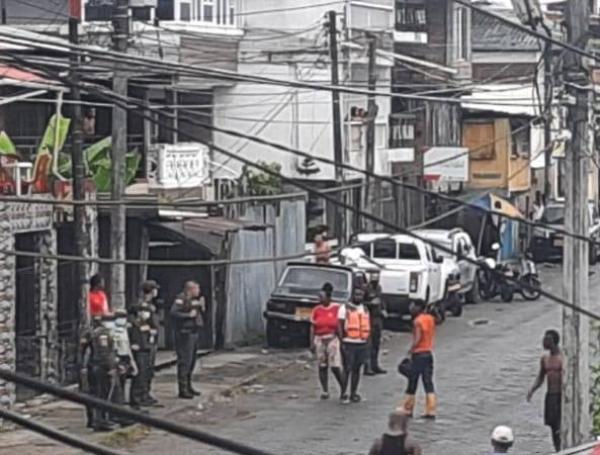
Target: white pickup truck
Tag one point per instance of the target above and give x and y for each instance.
(411, 271)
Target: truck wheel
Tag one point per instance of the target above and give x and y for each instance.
(473, 295)
(273, 334)
(456, 306)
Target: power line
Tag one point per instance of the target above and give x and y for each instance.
(309, 189)
(162, 424)
(56, 434)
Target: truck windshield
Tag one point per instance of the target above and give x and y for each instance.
(309, 281)
(554, 214)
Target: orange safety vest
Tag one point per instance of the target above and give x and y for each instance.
(358, 325)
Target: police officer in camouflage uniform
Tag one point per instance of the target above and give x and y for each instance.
(127, 367)
(99, 356)
(141, 344)
(86, 378)
(150, 303)
(188, 313)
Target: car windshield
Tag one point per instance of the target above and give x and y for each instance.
(309, 281)
(554, 214)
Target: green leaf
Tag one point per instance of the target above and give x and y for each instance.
(50, 135)
(97, 151)
(7, 148)
(102, 179)
(133, 163)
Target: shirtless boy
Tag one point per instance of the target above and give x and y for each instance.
(551, 366)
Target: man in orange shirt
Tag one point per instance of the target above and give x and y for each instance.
(97, 299)
(421, 354)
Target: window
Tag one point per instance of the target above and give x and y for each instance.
(410, 252)
(185, 12)
(384, 249)
(402, 131)
(478, 137)
(521, 138)
(461, 33)
(411, 15)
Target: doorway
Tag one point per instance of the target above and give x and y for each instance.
(27, 314)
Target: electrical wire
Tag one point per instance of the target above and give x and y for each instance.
(162, 424)
(56, 434)
(118, 100)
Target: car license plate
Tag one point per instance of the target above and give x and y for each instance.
(558, 242)
(303, 313)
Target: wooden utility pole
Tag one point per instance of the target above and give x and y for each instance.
(118, 220)
(548, 97)
(369, 201)
(576, 424)
(78, 169)
(337, 124)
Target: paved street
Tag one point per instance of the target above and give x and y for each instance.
(484, 364)
(485, 361)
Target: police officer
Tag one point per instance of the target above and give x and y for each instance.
(102, 363)
(126, 367)
(141, 345)
(150, 302)
(374, 304)
(86, 378)
(187, 313)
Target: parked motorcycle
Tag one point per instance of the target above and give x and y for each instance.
(494, 278)
(528, 283)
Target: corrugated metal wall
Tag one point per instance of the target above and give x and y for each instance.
(249, 286)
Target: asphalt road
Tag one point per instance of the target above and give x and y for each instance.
(485, 362)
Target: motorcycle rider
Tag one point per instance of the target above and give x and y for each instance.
(374, 304)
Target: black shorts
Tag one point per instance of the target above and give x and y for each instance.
(355, 355)
(552, 410)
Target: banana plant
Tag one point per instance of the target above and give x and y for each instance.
(98, 164)
(7, 147)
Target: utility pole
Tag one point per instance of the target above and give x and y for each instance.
(369, 201)
(548, 96)
(78, 169)
(576, 424)
(337, 124)
(3, 11)
(118, 220)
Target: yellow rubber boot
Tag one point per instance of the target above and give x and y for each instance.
(408, 405)
(430, 406)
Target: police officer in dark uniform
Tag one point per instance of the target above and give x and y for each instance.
(141, 345)
(374, 304)
(99, 352)
(187, 313)
(151, 302)
(86, 378)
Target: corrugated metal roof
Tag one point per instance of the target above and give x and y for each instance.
(489, 34)
(208, 232)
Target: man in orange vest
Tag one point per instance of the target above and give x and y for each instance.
(355, 328)
(421, 354)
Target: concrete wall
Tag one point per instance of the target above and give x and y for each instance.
(18, 218)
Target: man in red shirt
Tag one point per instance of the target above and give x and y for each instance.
(325, 341)
(98, 302)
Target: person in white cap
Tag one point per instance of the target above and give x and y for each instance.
(502, 439)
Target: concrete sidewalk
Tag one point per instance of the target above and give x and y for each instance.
(219, 376)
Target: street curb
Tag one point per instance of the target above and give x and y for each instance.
(137, 432)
